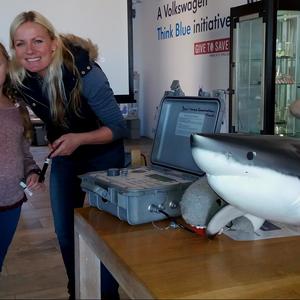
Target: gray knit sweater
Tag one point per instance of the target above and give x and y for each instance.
(16, 161)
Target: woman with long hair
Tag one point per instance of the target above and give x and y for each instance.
(58, 78)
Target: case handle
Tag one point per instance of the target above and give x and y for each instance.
(87, 187)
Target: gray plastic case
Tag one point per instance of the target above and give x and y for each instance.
(148, 194)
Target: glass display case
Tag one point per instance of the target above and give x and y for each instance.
(264, 67)
(287, 71)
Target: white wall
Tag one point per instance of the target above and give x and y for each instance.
(159, 62)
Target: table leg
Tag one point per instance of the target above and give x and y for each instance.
(87, 270)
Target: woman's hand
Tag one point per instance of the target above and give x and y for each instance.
(66, 144)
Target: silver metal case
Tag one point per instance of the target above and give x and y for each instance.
(151, 193)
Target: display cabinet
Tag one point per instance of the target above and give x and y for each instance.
(264, 67)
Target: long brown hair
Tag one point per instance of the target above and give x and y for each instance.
(8, 91)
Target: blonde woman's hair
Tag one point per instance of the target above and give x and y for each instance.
(53, 84)
(8, 92)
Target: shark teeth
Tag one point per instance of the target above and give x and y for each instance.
(201, 230)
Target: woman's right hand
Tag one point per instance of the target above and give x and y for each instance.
(66, 144)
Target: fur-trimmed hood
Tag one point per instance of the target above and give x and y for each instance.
(85, 44)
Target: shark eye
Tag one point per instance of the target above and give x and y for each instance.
(251, 155)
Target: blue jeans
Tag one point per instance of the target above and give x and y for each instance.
(66, 194)
(9, 220)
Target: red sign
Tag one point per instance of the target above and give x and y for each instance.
(213, 46)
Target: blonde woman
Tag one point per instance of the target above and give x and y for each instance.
(58, 78)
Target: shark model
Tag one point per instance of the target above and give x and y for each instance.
(257, 175)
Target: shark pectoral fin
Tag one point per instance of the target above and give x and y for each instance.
(221, 218)
(256, 221)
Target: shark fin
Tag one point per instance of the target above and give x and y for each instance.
(256, 221)
(221, 218)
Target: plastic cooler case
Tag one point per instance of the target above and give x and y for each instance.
(146, 194)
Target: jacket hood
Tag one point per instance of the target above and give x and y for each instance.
(85, 44)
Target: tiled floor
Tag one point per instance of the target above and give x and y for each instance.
(33, 268)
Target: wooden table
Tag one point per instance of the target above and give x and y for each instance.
(150, 263)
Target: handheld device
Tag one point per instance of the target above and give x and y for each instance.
(27, 191)
(46, 164)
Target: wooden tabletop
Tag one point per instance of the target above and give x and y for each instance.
(176, 264)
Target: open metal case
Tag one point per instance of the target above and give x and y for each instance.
(136, 195)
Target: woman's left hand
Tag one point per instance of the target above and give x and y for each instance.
(66, 144)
